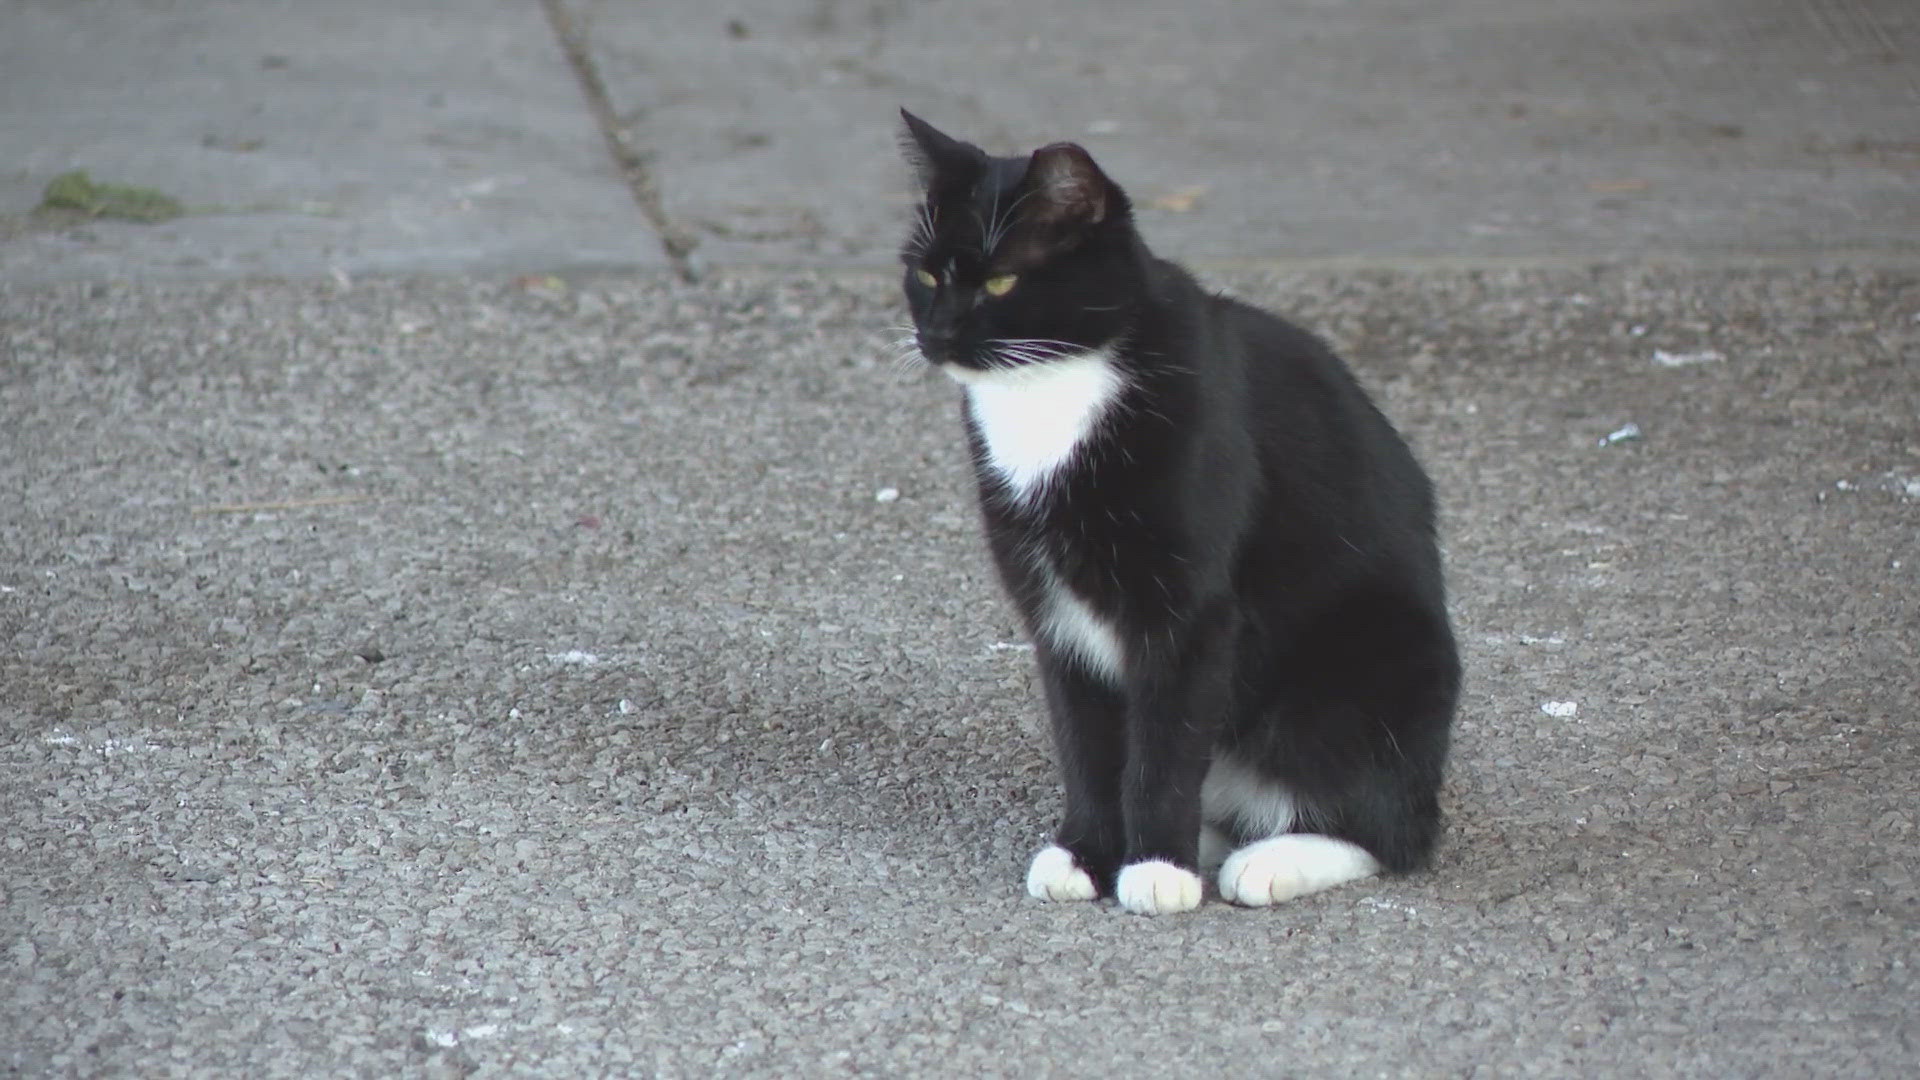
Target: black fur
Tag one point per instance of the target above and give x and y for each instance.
(1245, 518)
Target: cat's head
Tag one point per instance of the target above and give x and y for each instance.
(1017, 260)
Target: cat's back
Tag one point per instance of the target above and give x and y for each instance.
(1319, 433)
(1225, 332)
(1256, 379)
(1283, 382)
(1279, 354)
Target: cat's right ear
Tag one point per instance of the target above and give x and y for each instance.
(932, 153)
(1072, 190)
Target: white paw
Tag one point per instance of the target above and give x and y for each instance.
(1158, 887)
(1283, 867)
(1054, 875)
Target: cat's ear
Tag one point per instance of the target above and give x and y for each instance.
(933, 153)
(1067, 188)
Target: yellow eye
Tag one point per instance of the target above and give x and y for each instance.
(926, 278)
(999, 284)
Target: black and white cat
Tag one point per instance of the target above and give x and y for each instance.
(1222, 551)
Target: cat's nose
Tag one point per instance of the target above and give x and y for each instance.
(936, 343)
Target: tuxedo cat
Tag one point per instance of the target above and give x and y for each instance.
(1223, 553)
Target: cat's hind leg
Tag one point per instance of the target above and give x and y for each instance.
(1337, 776)
(1277, 864)
(1283, 867)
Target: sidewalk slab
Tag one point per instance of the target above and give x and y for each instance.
(305, 139)
(1363, 129)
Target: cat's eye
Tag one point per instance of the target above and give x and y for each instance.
(926, 278)
(999, 284)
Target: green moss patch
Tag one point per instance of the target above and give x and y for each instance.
(78, 194)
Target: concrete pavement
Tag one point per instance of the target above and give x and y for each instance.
(435, 638)
(352, 137)
(437, 135)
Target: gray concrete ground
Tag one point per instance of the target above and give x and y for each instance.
(436, 638)
(349, 136)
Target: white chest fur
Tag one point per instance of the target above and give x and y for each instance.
(1072, 626)
(1034, 419)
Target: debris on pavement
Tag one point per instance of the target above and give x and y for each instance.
(1663, 358)
(1627, 432)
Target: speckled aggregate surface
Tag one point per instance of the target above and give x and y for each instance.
(524, 675)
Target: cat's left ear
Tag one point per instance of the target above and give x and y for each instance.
(1068, 188)
(935, 154)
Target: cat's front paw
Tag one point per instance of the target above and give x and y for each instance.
(1054, 875)
(1157, 887)
(1283, 867)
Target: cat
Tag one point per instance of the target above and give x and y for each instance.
(1222, 551)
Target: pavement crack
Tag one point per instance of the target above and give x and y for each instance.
(677, 242)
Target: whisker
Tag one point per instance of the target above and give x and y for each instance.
(1043, 341)
(922, 236)
(1022, 350)
(993, 217)
(1003, 221)
(901, 349)
(1037, 348)
(909, 362)
(977, 221)
(1007, 353)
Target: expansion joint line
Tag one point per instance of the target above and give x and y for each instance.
(677, 242)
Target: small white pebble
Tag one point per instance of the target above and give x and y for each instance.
(1685, 359)
(1623, 433)
(1560, 709)
(886, 495)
